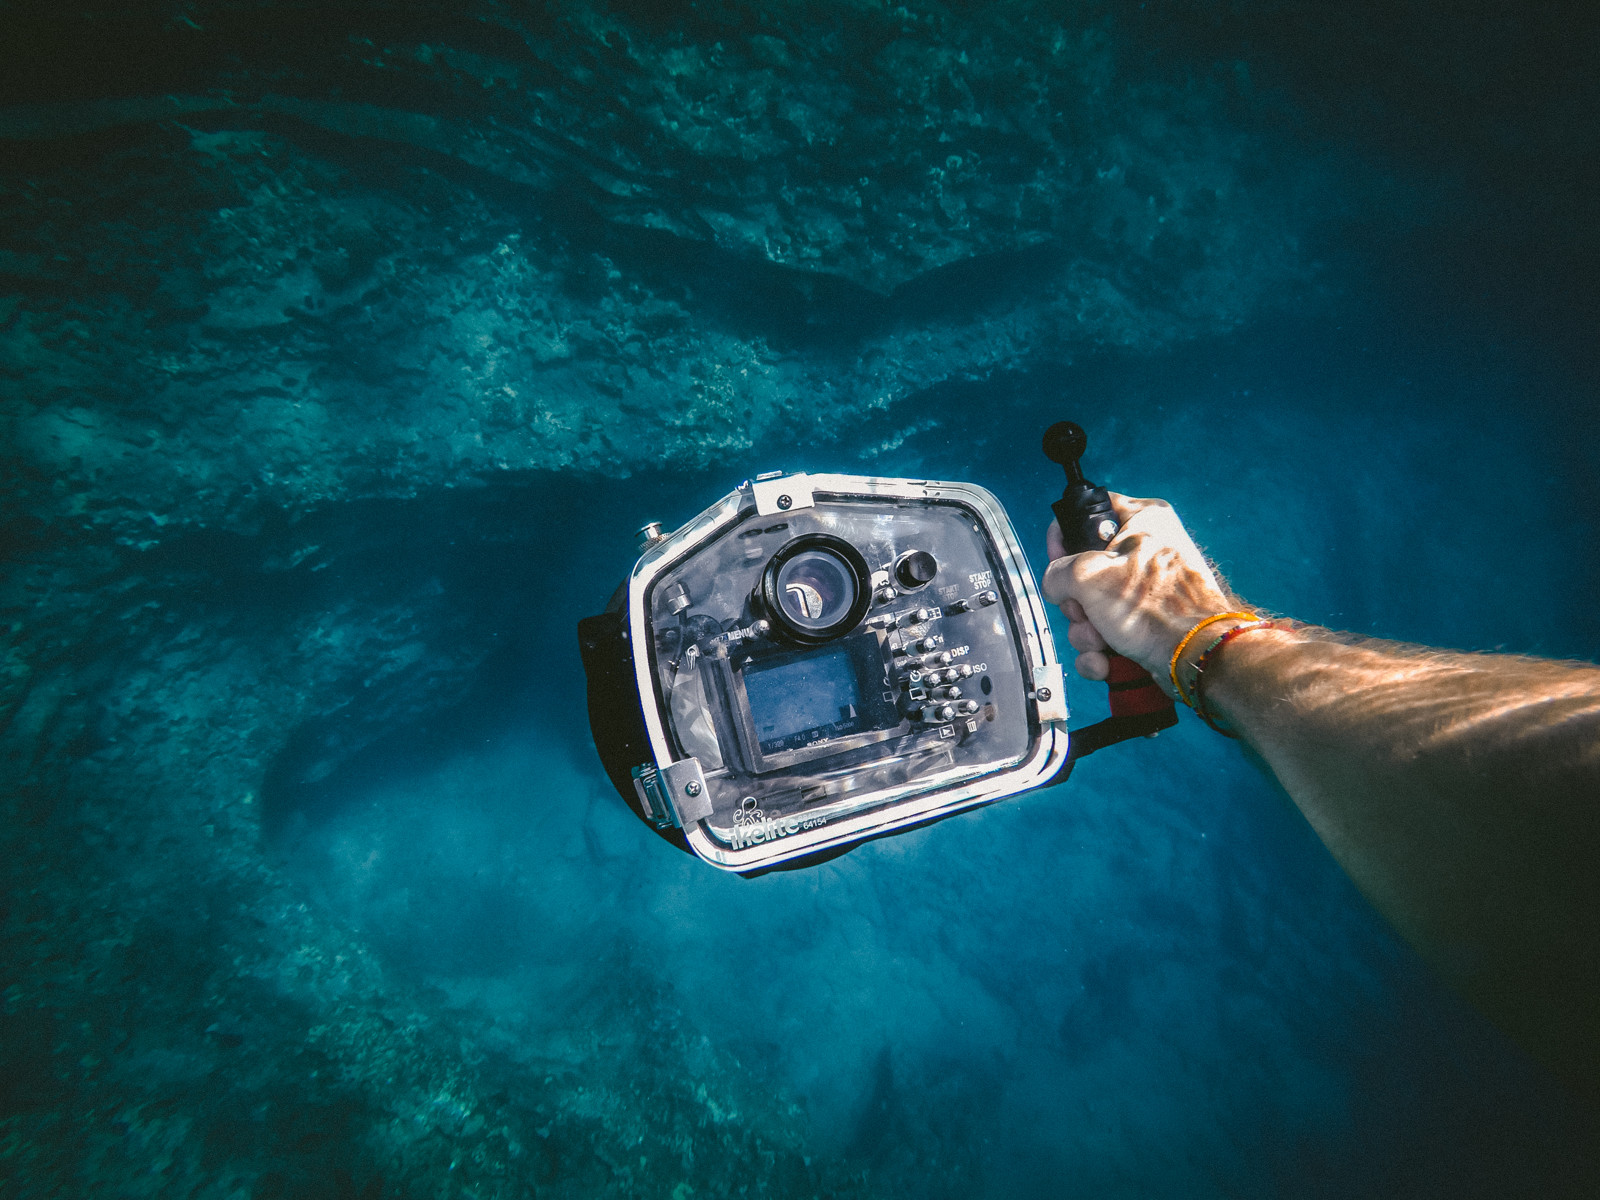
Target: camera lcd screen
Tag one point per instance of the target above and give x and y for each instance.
(817, 694)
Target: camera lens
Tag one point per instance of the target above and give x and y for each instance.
(815, 588)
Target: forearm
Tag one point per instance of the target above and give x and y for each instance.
(1461, 793)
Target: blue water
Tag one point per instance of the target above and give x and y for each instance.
(343, 351)
(1152, 980)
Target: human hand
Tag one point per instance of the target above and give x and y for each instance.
(1139, 595)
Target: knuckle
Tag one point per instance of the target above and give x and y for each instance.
(1085, 567)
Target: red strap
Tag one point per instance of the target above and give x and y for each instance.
(1133, 692)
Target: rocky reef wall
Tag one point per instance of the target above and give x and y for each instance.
(340, 252)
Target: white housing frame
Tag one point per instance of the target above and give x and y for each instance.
(907, 804)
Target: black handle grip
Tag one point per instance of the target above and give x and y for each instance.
(1084, 511)
(1138, 707)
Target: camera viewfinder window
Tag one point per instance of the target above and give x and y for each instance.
(817, 695)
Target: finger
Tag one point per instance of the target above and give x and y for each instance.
(1093, 664)
(1127, 506)
(1127, 541)
(1069, 577)
(1054, 582)
(1074, 610)
(1059, 582)
(1084, 636)
(1054, 547)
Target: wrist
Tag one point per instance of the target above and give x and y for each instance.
(1223, 671)
(1193, 641)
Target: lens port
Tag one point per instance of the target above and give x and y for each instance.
(815, 588)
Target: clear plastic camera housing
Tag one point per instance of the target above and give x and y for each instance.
(802, 690)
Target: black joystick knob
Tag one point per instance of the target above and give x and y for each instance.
(1084, 510)
(1064, 443)
(916, 569)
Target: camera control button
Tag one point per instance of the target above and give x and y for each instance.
(985, 599)
(916, 569)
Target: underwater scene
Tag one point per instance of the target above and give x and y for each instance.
(345, 346)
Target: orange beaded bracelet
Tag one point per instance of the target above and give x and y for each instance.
(1172, 669)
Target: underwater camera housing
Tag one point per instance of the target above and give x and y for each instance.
(816, 660)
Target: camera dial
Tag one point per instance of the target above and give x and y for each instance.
(815, 588)
(915, 569)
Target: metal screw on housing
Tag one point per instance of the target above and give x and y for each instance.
(649, 534)
(785, 502)
(692, 788)
(1043, 693)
